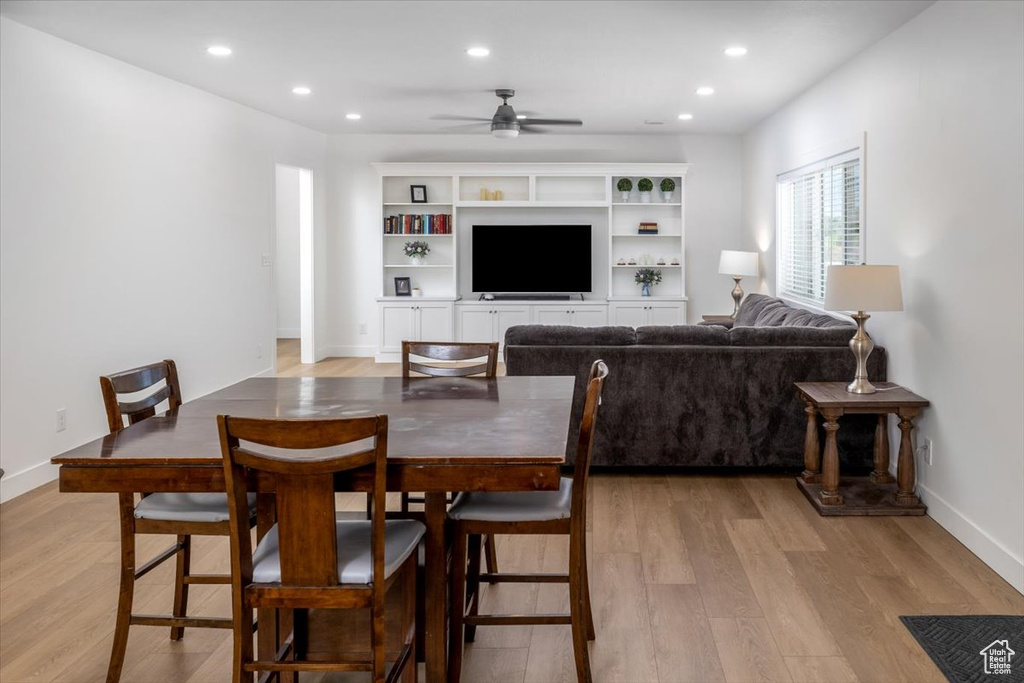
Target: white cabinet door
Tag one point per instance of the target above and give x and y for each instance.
(397, 323)
(590, 316)
(507, 316)
(553, 315)
(476, 323)
(633, 315)
(435, 322)
(666, 314)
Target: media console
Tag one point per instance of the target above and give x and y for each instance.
(533, 194)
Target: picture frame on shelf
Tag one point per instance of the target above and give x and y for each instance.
(418, 194)
(403, 286)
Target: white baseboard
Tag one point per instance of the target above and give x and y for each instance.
(13, 485)
(363, 351)
(289, 333)
(993, 553)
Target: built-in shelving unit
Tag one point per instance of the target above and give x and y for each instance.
(552, 193)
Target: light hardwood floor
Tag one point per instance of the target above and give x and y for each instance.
(694, 578)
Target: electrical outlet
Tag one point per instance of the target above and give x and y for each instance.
(924, 450)
(362, 328)
(266, 261)
(62, 419)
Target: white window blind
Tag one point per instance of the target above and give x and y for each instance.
(818, 225)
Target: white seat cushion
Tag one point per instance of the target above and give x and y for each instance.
(188, 507)
(355, 563)
(516, 506)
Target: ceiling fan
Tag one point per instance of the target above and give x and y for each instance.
(505, 123)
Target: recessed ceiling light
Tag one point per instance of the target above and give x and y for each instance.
(219, 50)
(685, 117)
(520, 116)
(301, 90)
(705, 90)
(478, 52)
(353, 116)
(736, 51)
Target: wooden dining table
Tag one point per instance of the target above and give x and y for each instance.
(445, 434)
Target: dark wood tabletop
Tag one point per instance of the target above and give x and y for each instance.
(835, 395)
(433, 421)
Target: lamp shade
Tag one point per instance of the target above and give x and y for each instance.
(863, 288)
(738, 263)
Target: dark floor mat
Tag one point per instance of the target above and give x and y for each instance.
(972, 649)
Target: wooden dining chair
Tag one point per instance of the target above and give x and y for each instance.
(448, 352)
(312, 559)
(533, 512)
(181, 514)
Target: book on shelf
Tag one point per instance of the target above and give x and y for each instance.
(418, 224)
(648, 228)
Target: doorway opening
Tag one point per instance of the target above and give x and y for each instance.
(293, 268)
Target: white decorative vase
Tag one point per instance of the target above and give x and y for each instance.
(624, 196)
(667, 196)
(417, 260)
(645, 197)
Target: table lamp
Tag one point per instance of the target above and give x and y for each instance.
(737, 264)
(860, 288)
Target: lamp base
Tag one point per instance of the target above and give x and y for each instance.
(861, 345)
(737, 297)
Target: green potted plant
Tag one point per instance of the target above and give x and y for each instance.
(647, 277)
(417, 251)
(625, 186)
(645, 186)
(668, 186)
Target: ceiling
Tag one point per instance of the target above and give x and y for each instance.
(613, 64)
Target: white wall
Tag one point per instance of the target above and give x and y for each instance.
(286, 260)
(713, 199)
(134, 212)
(942, 102)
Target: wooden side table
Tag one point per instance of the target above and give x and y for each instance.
(879, 493)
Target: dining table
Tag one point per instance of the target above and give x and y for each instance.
(445, 434)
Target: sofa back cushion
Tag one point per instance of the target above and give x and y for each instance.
(761, 310)
(757, 307)
(791, 336)
(569, 335)
(675, 335)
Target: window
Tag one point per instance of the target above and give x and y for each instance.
(818, 224)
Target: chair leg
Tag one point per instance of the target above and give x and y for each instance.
(492, 554)
(578, 610)
(589, 611)
(378, 642)
(126, 511)
(182, 565)
(473, 583)
(457, 611)
(243, 652)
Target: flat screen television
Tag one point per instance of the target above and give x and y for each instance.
(531, 258)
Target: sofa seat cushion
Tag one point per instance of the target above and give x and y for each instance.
(791, 336)
(188, 507)
(569, 335)
(677, 335)
(355, 561)
(514, 506)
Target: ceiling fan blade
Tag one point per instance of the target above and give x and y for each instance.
(445, 117)
(532, 130)
(550, 122)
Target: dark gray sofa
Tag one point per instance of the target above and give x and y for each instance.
(704, 396)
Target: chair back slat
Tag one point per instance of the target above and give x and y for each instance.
(585, 443)
(133, 381)
(304, 487)
(450, 351)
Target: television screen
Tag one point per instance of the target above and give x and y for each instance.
(531, 258)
